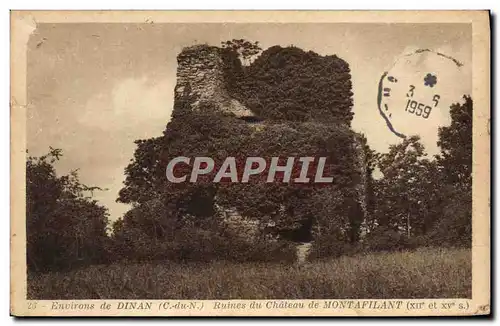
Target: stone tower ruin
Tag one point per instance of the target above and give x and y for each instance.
(202, 74)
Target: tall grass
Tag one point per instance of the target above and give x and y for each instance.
(424, 273)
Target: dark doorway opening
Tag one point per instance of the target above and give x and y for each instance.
(301, 234)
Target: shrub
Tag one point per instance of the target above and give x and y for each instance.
(201, 245)
(329, 246)
(385, 239)
(262, 250)
(454, 228)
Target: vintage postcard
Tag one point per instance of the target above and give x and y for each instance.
(250, 163)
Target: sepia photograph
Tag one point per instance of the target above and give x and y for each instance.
(232, 163)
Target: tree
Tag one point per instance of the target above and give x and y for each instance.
(428, 198)
(247, 50)
(65, 226)
(405, 194)
(454, 226)
(456, 145)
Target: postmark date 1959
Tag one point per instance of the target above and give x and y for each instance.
(417, 108)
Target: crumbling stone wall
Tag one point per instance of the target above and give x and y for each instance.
(200, 72)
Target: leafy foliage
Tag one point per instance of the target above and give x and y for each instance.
(456, 145)
(291, 84)
(407, 191)
(146, 234)
(455, 164)
(65, 226)
(429, 201)
(244, 48)
(212, 135)
(385, 239)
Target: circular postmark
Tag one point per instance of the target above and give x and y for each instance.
(415, 94)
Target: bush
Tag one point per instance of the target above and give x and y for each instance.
(262, 250)
(386, 239)
(330, 246)
(201, 245)
(454, 228)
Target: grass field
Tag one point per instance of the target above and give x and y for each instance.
(424, 273)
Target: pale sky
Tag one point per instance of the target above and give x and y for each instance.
(95, 88)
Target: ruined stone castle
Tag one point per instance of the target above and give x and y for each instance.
(202, 75)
